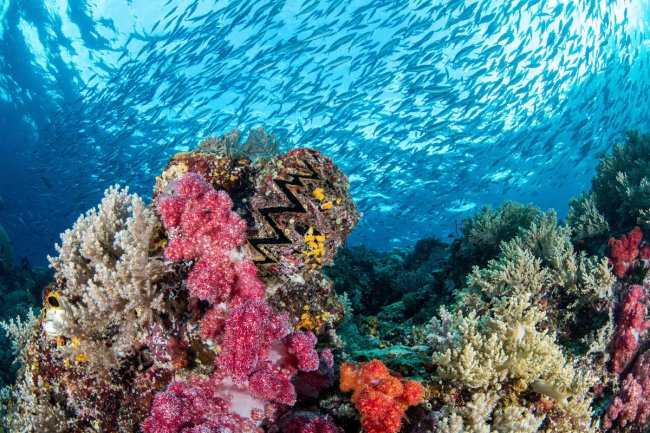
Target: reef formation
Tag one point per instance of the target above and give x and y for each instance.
(230, 303)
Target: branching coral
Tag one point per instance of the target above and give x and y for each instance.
(621, 186)
(483, 232)
(541, 261)
(109, 277)
(584, 218)
(507, 348)
(481, 415)
(32, 409)
(20, 332)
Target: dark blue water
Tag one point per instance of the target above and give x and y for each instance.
(432, 108)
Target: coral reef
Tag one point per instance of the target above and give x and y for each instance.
(182, 315)
(230, 303)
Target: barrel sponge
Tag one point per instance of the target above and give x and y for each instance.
(6, 259)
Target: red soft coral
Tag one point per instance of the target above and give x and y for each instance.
(259, 351)
(623, 252)
(632, 404)
(380, 397)
(630, 324)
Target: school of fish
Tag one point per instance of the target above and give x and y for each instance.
(432, 109)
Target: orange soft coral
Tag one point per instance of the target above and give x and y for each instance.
(380, 397)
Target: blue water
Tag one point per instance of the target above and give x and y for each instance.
(432, 108)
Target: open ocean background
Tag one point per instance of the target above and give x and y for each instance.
(432, 108)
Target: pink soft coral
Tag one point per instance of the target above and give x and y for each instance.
(259, 351)
(251, 329)
(632, 404)
(202, 227)
(259, 356)
(630, 324)
(193, 407)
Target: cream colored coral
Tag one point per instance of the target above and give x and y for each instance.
(31, 410)
(21, 333)
(515, 419)
(109, 277)
(509, 346)
(482, 415)
(504, 345)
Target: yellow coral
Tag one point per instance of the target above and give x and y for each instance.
(318, 193)
(310, 321)
(316, 248)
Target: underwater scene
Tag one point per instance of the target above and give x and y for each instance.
(351, 216)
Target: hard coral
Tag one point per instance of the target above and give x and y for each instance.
(630, 324)
(380, 397)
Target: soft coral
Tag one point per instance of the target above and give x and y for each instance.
(380, 397)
